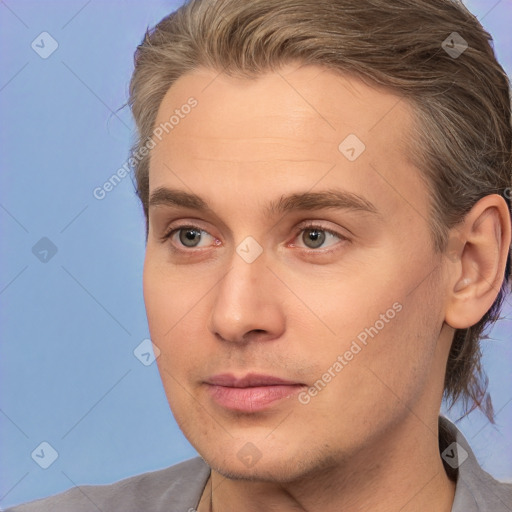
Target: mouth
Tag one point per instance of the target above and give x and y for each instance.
(250, 393)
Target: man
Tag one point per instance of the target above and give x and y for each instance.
(326, 187)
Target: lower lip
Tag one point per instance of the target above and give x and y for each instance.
(252, 399)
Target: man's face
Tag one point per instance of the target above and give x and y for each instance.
(342, 302)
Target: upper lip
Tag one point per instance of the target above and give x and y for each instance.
(249, 380)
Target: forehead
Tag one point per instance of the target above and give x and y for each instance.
(290, 126)
(313, 101)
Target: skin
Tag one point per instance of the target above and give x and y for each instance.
(369, 439)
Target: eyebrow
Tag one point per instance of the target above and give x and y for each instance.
(327, 199)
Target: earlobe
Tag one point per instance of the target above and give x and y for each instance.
(476, 260)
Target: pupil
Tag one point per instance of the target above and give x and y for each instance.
(188, 236)
(316, 236)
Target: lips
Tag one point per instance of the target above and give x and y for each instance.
(247, 381)
(250, 393)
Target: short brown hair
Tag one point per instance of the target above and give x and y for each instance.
(462, 139)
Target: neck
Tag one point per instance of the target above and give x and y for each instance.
(401, 470)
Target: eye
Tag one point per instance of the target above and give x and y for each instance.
(188, 236)
(315, 236)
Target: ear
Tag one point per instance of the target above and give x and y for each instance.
(477, 254)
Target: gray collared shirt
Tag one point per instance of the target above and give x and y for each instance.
(179, 487)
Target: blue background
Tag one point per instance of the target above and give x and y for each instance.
(69, 326)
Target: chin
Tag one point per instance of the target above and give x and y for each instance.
(279, 468)
(261, 472)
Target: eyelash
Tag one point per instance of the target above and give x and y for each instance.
(307, 227)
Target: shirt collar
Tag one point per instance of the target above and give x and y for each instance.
(476, 490)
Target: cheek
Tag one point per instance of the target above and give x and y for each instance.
(175, 315)
(398, 361)
(167, 299)
(348, 308)
(385, 335)
(158, 299)
(379, 380)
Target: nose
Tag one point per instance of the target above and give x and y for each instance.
(247, 305)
